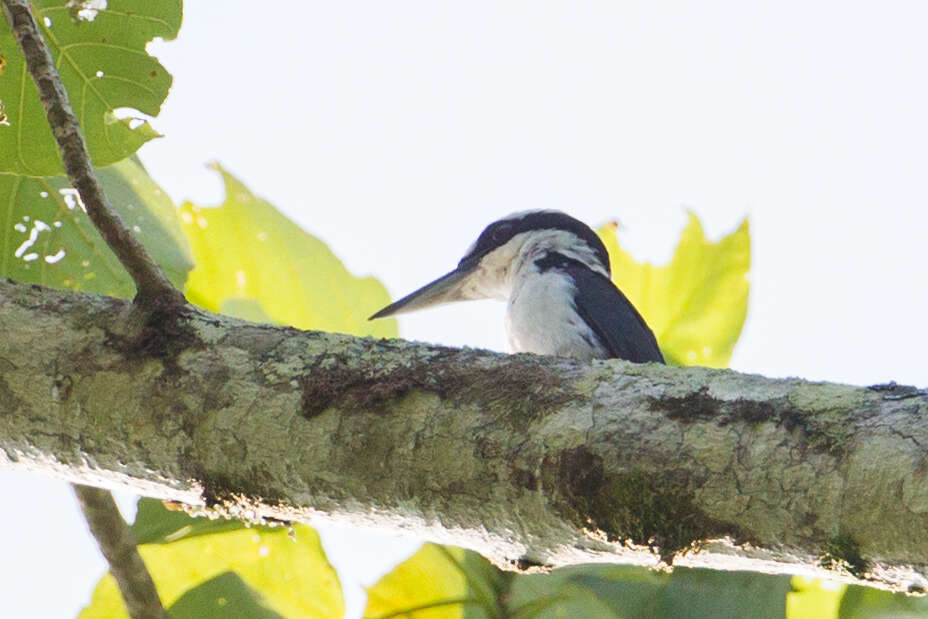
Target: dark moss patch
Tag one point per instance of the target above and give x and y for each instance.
(332, 380)
(221, 491)
(218, 490)
(164, 333)
(842, 552)
(524, 389)
(525, 479)
(518, 384)
(695, 406)
(656, 512)
(699, 406)
(819, 439)
(634, 506)
(63, 386)
(582, 472)
(9, 402)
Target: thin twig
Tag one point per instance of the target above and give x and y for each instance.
(150, 280)
(153, 288)
(118, 546)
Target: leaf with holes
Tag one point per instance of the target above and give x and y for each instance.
(47, 238)
(696, 305)
(99, 49)
(255, 263)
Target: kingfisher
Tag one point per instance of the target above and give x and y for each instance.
(553, 273)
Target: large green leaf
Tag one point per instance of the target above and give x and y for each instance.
(243, 572)
(47, 238)
(439, 582)
(100, 54)
(696, 305)
(252, 261)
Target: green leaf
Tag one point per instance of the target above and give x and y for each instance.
(696, 305)
(868, 603)
(246, 249)
(100, 54)
(627, 591)
(813, 599)
(223, 597)
(438, 582)
(47, 238)
(246, 309)
(441, 582)
(155, 524)
(289, 577)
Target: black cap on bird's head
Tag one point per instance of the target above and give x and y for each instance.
(501, 232)
(567, 235)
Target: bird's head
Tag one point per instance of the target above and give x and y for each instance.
(505, 250)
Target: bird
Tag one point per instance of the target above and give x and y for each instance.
(553, 272)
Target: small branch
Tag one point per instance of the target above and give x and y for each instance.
(118, 546)
(149, 279)
(153, 289)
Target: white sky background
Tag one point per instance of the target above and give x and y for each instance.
(396, 131)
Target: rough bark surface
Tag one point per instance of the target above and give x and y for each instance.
(529, 460)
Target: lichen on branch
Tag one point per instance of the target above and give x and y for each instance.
(529, 460)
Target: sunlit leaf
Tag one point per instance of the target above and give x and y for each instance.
(813, 599)
(47, 238)
(438, 582)
(283, 576)
(246, 309)
(246, 249)
(696, 305)
(100, 54)
(441, 582)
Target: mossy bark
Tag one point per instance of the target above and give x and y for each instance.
(529, 460)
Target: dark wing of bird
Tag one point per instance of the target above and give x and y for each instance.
(614, 320)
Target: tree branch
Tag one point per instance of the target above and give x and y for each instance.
(526, 459)
(150, 280)
(118, 546)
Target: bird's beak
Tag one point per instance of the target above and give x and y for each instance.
(445, 289)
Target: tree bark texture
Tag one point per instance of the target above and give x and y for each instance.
(529, 460)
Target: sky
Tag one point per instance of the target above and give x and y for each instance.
(395, 131)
